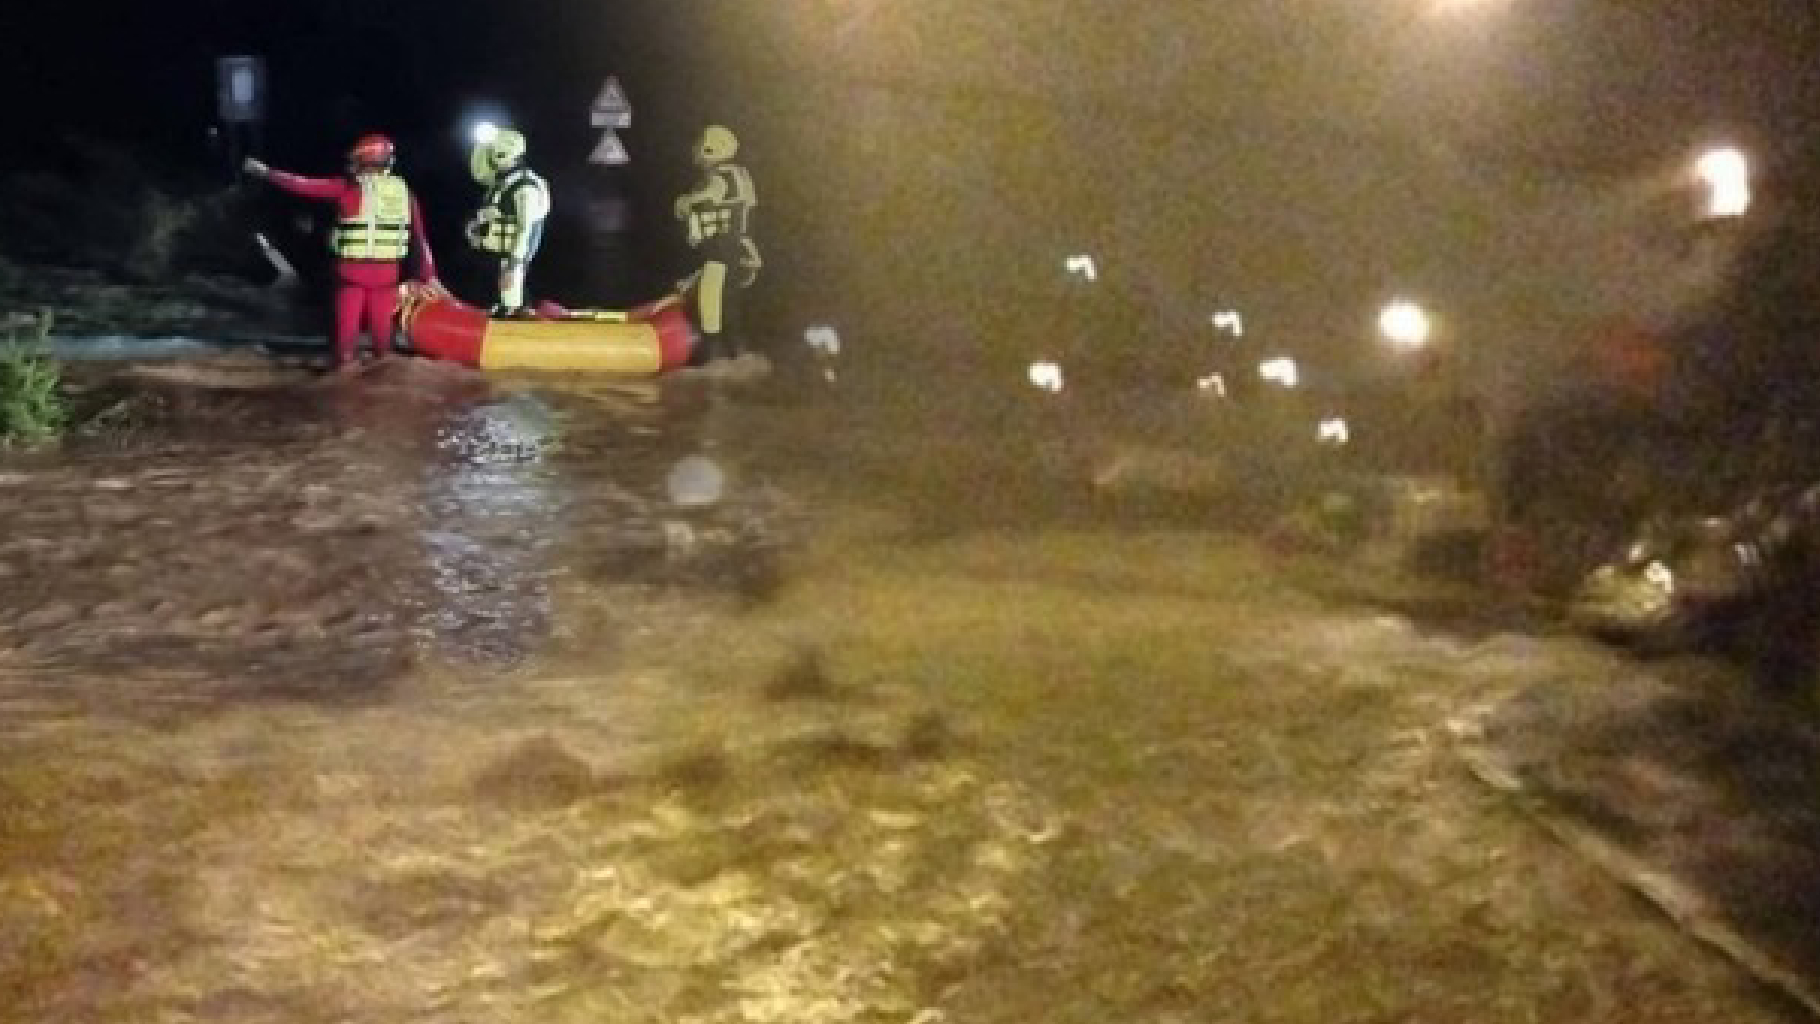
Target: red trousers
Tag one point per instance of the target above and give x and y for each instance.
(367, 296)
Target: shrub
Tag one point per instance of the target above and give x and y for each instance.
(33, 408)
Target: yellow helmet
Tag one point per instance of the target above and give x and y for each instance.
(487, 159)
(718, 145)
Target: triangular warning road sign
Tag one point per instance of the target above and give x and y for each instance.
(610, 151)
(611, 108)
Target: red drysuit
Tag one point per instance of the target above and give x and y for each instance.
(368, 289)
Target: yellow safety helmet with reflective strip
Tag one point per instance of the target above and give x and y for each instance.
(487, 159)
(718, 145)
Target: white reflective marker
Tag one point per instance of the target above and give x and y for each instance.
(1046, 375)
(824, 339)
(1280, 370)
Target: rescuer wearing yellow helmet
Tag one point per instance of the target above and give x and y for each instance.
(718, 217)
(509, 224)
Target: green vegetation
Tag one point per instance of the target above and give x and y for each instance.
(33, 408)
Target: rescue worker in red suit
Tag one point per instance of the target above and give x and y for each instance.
(379, 224)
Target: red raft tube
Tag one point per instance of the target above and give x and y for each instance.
(641, 342)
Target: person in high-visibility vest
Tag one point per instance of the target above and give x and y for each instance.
(508, 227)
(718, 218)
(378, 226)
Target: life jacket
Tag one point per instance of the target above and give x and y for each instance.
(500, 228)
(381, 228)
(729, 215)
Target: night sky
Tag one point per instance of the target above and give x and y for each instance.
(420, 71)
(1298, 159)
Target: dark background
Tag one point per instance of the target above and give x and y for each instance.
(143, 75)
(924, 167)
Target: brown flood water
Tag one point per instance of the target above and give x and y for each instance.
(411, 699)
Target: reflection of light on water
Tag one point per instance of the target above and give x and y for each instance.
(1213, 384)
(696, 481)
(489, 521)
(1333, 430)
(520, 430)
(1045, 375)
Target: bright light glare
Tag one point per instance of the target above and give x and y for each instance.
(1046, 375)
(1213, 384)
(1082, 267)
(1281, 370)
(484, 132)
(1404, 323)
(1726, 175)
(1228, 321)
(1333, 430)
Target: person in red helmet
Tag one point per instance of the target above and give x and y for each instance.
(379, 224)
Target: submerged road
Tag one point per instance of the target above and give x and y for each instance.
(420, 701)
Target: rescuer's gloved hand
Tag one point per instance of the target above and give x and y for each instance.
(477, 227)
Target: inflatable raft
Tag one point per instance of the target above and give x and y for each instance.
(641, 342)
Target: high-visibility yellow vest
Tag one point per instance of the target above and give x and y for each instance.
(500, 228)
(729, 215)
(381, 229)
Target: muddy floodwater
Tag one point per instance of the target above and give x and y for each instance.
(421, 699)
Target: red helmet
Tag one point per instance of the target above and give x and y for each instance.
(371, 151)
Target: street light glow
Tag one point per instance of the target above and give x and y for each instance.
(1726, 174)
(1405, 324)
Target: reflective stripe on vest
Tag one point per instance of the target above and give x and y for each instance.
(381, 230)
(499, 235)
(732, 213)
